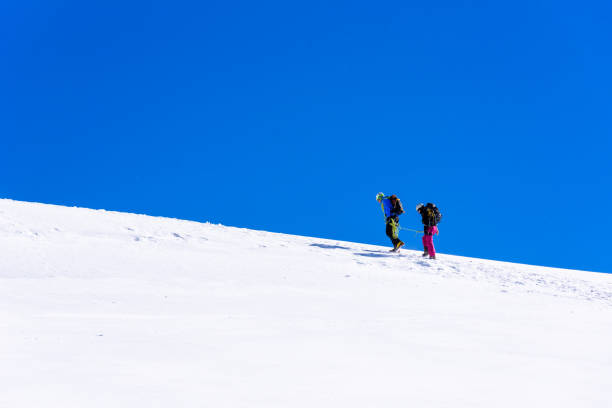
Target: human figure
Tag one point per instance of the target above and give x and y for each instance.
(392, 208)
(430, 215)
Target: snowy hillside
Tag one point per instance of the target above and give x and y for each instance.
(106, 309)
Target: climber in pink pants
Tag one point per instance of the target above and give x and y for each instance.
(431, 216)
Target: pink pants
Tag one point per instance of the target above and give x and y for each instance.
(428, 240)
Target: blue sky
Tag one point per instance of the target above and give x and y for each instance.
(291, 116)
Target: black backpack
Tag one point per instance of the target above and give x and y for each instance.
(397, 204)
(433, 214)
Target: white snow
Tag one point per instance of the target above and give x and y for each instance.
(107, 309)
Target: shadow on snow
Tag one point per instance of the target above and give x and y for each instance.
(325, 246)
(375, 254)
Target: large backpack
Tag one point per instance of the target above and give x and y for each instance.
(397, 204)
(433, 214)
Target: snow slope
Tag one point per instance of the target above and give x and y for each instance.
(106, 309)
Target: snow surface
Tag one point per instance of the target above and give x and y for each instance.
(107, 309)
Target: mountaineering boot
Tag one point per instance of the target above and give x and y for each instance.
(397, 246)
(432, 257)
(425, 254)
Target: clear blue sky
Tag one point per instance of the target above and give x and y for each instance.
(290, 117)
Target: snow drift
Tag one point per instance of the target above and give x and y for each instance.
(106, 309)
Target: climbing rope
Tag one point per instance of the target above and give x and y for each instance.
(410, 229)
